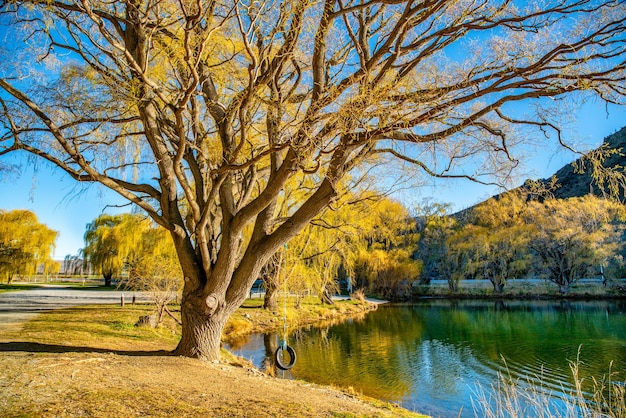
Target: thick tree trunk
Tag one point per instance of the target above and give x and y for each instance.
(498, 285)
(564, 288)
(327, 296)
(108, 279)
(271, 280)
(201, 331)
(270, 302)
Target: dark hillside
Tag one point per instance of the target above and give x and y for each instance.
(572, 184)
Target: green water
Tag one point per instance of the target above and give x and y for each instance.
(432, 356)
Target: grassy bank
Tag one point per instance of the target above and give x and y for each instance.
(93, 361)
(251, 317)
(113, 326)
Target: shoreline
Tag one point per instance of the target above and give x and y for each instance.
(250, 320)
(521, 289)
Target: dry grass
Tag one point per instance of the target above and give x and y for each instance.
(72, 384)
(91, 361)
(512, 398)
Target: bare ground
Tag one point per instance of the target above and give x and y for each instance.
(67, 382)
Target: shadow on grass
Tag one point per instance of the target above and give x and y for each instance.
(31, 347)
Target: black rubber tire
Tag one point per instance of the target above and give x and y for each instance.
(278, 360)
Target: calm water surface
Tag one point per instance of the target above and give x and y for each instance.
(431, 357)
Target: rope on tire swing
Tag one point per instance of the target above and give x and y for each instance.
(283, 346)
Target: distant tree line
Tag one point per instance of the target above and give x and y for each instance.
(363, 242)
(518, 235)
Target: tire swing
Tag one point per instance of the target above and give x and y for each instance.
(279, 356)
(284, 350)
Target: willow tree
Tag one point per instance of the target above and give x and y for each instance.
(114, 241)
(155, 269)
(25, 245)
(200, 112)
(497, 239)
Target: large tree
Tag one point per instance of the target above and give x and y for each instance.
(203, 112)
(496, 240)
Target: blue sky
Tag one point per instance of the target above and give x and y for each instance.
(58, 201)
(66, 206)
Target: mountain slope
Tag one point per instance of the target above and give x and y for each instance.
(573, 184)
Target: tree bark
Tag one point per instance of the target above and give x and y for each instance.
(108, 279)
(498, 287)
(327, 296)
(271, 274)
(201, 329)
(270, 302)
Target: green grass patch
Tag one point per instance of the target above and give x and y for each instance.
(14, 287)
(101, 326)
(89, 287)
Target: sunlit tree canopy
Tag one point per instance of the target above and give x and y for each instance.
(519, 235)
(25, 245)
(114, 241)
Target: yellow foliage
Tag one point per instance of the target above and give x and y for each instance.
(369, 241)
(112, 240)
(512, 235)
(25, 244)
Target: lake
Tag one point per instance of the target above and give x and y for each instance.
(432, 357)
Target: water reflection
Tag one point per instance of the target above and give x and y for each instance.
(430, 356)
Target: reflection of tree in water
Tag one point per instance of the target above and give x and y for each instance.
(270, 342)
(435, 352)
(537, 337)
(396, 350)
(238, 342)
(360, 353)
